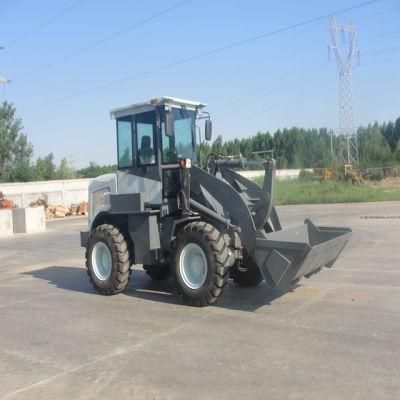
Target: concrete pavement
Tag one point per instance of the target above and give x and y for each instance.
(334, 336)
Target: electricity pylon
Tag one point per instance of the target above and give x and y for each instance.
(344, 54)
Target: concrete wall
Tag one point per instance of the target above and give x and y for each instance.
(6, 223)
(76, 190)
(280, 173)
(29, 220)
(58, 192)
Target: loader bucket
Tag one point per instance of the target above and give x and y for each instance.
(285, 256)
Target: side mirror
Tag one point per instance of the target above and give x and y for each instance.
(169, 123)
(208, 129)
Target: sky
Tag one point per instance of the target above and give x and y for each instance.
(71, 62)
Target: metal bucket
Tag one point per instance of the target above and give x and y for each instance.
(285, 256)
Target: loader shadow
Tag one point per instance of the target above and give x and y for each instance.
(142, 287)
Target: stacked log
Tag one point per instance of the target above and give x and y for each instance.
(60, 211)
(83, 208)
(74, 209)
(49, 212)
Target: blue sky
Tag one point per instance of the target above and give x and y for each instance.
(278, 81)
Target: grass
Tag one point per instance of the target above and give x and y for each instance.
(311, 192)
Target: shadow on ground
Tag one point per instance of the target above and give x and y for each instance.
(142, 287)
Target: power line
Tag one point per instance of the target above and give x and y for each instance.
(282, 78)
(386, 60)
(380, 35)
(44, 24)
(103, 40)
(284, 101)
(250, 94)
(387, 50)
(206, 53)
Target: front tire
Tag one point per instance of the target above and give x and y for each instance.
(200, 262)
(107, 260)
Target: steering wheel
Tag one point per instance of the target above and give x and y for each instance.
(211, 166)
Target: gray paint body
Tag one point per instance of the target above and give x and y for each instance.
(131, 183)
(236, 206)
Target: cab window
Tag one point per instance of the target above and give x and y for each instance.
(182, 144)
(124, 142)
(145, 132)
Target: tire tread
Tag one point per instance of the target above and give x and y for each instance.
(121, 250)
(218, 252)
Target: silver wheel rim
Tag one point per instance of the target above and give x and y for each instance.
(101, 261)
(193, 266)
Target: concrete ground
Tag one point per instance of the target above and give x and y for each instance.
(334, 336)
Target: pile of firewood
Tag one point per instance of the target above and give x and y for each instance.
(41, 201)
(61, 211)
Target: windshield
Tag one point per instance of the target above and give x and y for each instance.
(182, 144)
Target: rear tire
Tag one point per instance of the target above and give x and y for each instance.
(107, 260)
(200, 263)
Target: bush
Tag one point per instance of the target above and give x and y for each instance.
(376, 176)
(306, 176)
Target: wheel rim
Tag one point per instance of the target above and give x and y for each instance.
(101, 261)
(193, 266)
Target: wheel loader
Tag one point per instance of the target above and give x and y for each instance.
(205, 226)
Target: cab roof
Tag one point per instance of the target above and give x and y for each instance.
(152, 104)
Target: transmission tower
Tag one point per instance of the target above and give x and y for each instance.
(343, 45)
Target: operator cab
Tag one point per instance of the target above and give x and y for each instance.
(153, 138)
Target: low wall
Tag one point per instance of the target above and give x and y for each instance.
(6, 222)
(29, 220)
(63, 192)
(280, 173)
(66, 192)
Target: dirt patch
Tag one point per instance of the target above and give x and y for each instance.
(387, 181)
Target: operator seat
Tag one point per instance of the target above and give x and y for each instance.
(146, 153)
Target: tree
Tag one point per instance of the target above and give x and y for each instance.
(64, 171)
(397, 152)
(397, 131)
(374, 151)
(217, 145)
(389, 134)
(45, 168)
(94, 170)
(15, 150)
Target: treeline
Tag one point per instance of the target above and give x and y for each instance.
(379, 145)
(307, 148)
(45, 169)
(16, 156)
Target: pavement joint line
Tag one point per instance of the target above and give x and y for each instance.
(114, 353)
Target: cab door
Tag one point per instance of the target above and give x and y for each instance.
(138, 156)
